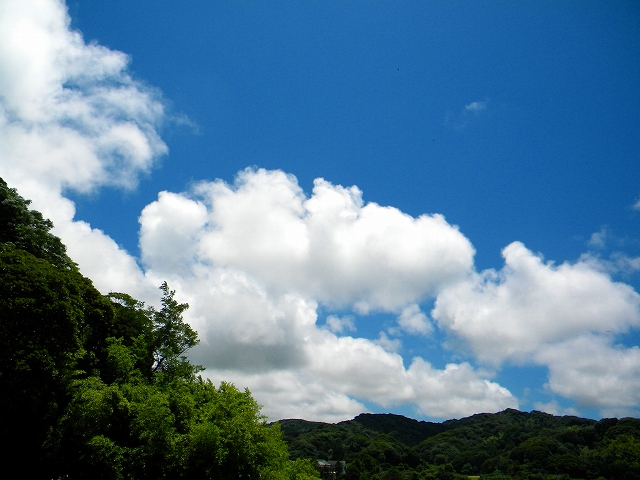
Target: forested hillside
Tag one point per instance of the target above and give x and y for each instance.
(98, 387)
(509, 444)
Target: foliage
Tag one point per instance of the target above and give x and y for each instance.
(48, 315)
(171, 337)
(508, 444)
(27, 230)
(97, 386)
(185, 430)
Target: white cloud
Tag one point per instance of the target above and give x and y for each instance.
(597, 374)
(476, 106)
(341, 370)
(272, 344)
(598, 239)
(460, 118)
(169, 233)
(510, 314)
(361, 369)
(462, 388)
(254, 268)
(240, 326)
(624, 264)
(618, 263)
(253, 260)
(72, 117)
(256, 264)
(389, 344)
(412, 320)
(294, 394)
(329, 246)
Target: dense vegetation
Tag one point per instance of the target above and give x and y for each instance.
(509, 444)
(99, 387)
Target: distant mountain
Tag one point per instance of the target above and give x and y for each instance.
(510, 442)
(406, 430)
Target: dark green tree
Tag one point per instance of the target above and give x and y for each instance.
(618, 459)
(172, 337)
(47, 315)
(95, 386)
(27, 230)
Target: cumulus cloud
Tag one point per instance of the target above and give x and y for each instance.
(341, 370)
(562, 317)
(510, 314)
(596, 373)
(71, 115)
(465, 390)
(295, 394)
(242, 327)
(364, 370)
(255, 259)
(273, 345)
(412, 320)
(330, 246)
(389, 344)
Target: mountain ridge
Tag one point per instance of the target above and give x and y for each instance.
(521, 444)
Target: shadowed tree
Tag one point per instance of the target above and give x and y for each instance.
(27, 230)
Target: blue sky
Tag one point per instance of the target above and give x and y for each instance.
(468, 126)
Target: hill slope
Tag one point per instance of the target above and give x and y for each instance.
(520, 444)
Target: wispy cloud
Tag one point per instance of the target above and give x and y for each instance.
(341, 324)
(460, 118)
(476, 106)
(598, 240)
(389, 344)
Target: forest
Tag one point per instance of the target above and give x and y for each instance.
(100, 386)
(505, 445)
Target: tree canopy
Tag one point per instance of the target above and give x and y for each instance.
(99, 386)
(28, 230)
(506, 445)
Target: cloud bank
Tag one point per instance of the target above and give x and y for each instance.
(259, 259)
